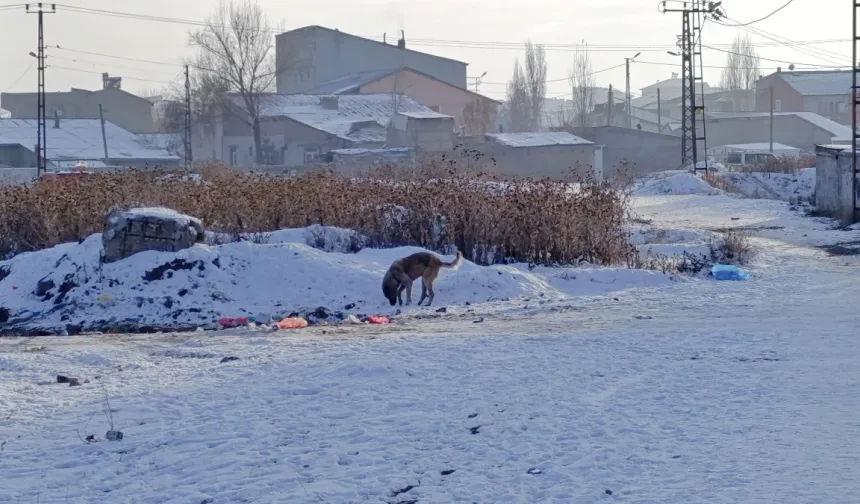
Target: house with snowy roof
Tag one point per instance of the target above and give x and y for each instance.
(69, 141)
(297, 129)
(823, 92)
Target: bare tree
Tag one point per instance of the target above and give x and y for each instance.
(743, 65)
(519, 109)
(236, 54)
(582, 85)
(535, 75)
(477, 117)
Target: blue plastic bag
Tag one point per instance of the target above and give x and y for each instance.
(729, 272)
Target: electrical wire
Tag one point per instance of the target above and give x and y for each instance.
(25, 72)
(152, 62)
(87, 62)
(789, 2)
(130, 77)
(813, 65)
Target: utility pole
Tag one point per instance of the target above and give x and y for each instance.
(854, 69)
(104, 137)
(627, 105)
(478, 80)
(771, 118)
(659, 113)
(609, 101)
(693, 15)
(41, 120)
(188, 157)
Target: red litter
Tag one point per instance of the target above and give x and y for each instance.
(377, 319)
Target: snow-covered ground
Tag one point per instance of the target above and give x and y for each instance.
(664, 391)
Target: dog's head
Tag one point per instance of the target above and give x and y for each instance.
(389, 289)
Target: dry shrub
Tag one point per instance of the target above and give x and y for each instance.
(542, 222)
(718, 182)
(782, 164)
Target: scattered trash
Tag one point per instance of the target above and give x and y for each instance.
(377, 319)
(475, 430)
(34, 348)
(609, 492)
(91, 439)
(74, 382)
(350, 306)
(293, 323)
(351, 319)
(63, 379)
(534, 470)
(729, 272)
(447, 472)
(113, 435)
(442, 310)
(229, 359)
(226, 322)
(480, 320)
(241, 321)
(643, 317)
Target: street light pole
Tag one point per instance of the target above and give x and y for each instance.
(627, 104)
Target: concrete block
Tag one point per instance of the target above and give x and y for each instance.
(128, 232)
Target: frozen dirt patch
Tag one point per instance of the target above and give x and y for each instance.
(673, 183)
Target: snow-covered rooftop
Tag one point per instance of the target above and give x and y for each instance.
(360, 117)
(81, 139)
(760, 146)
(538, 139)
(348, 83)
(839, 132)
(818, 83)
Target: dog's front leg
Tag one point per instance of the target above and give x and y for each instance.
(400, 294)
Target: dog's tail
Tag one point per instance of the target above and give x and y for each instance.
(455, 264)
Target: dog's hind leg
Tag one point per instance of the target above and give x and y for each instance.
(399, 293)
(423, 292)
(430, 292)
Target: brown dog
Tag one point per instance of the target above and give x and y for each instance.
(403, 272)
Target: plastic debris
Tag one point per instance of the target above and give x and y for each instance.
(377, 319)
(226, 321)
(351, 319)
(293, 323)
(729, 272)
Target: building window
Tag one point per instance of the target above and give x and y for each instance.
(777, 107)
(234, 151)
(311, 154)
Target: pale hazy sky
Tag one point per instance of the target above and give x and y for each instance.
(634, 24)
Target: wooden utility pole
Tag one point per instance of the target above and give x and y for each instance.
(771, 119)
(659, 114)
(104, 138)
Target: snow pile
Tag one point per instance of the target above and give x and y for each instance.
(778, 186)
(675, 183)
(68, 288)
(655, 243)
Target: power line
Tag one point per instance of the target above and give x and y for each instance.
(151, 62)
(130, 77)
(25, 72)
(778, 61)
(86, 62)
(765, 17)
(814, 52)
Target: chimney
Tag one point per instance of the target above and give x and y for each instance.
(674, 75)
(328, 102)
(778, 69)
(109, 82)
(384, 40)
(402, 42)
(57, 118)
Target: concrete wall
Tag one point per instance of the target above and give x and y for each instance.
(787, 129)
(290, 140)
(834, 187)
(641, 152)
(17, 176)
(129, 112)
(836, 108)
(428, 135)
(790, 100)
(310, 56)
(471, 111)
(559, 162)
(17, 155)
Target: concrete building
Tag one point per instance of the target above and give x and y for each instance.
(297, 129)
(422, 131)
(826, 93)
(130, 112)
(550, 154)
(633, 152)
(474, 114)
(804, 130)
(311, 56)
(73, 140)
(669, 89)
(836, 191)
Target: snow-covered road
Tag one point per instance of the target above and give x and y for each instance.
(703, 391)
